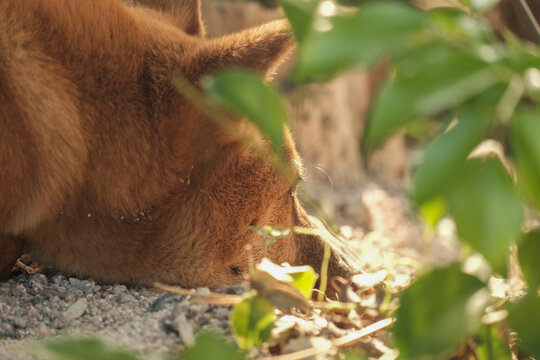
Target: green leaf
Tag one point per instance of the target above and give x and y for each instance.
(529, 253)
(525, 128)
(490, 343)
(252, 321)
(211, 347)
(81, 349)
(245, 94)
(455, 26)
(301, 277)
(301, 14)
(437, 311)
(342, 41)
(519, 55)
(440, 168)
(523, 318)
(428, 82)
(304, 279)
(432, 211)
(487, 209)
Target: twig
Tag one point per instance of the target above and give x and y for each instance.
(354, 336)
(212, 298)
(346, 340)
(30, 270)
(324, 271)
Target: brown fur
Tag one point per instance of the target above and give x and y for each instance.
(108, 172)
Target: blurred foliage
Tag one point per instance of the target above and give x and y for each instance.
(447, 64)
(207, 346)
(528, 258)
(252, 321)
(81, 349)
(274, 286)
(437, 310)
(491, 343)
(523, 318)
(245, 95)
(211, 346)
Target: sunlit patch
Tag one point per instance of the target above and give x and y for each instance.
(322, 25)
(532, 76)
(327, 8)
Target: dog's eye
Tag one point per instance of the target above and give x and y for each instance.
(235, 270)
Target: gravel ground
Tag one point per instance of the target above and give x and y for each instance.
(145, 320)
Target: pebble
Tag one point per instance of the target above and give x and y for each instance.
(185, 329)
(127, 298)
(75, 310)
(6, 328)
(74, 281)
(18, 290)
(5, 289)
(37, 283)
(163, 301)
(119, 289)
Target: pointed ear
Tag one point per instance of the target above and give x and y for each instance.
(184, 14)
(260, 49)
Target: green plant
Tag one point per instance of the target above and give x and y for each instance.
(81, 349)
(447, 69)
(207, 346)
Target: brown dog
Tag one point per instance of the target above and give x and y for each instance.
(109, 172)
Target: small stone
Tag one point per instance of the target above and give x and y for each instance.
(48, 312)
(88, 287)
(6, 328)
(192, 312)
(126, 299)
(168, 325)
(20, 323)
(59, 323)
(203, 290)
(62, 291)
(74, 293)
(58, 279)
(5, 289)
(75, 310)
(185, 330)
(161, 302)
(18, 290)
(233, 290)
(38, 280)
(119, 289)
(74, 281)
(222, 313)
(43, 331)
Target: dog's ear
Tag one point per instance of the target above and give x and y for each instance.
(184, 14)
(260, 49)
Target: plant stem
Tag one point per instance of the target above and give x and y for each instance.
(324, 271)
(489, 343)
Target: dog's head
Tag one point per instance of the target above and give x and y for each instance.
(233, 187)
